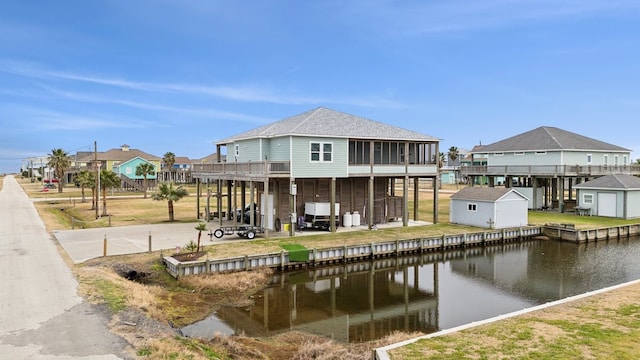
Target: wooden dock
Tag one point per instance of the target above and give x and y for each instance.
(568, 232)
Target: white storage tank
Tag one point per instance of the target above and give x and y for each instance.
(347, 219)
(355, 219)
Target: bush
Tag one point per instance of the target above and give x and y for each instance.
(191, 246)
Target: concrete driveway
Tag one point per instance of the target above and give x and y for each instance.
(41, 315)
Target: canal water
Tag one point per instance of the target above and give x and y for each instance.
(429, 292)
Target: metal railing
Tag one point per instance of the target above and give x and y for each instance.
(550, 170)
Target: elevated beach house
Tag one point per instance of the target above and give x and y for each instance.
(347, 163)
(123, 161)
(545, 163)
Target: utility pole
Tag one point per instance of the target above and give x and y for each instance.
(97, 168)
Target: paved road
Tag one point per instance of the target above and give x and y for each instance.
(41, 316)
(84, 244)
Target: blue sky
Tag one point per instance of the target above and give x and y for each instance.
(177, 75)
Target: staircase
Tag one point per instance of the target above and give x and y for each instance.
(130, 184)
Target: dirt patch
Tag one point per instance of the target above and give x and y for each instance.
(191, 256)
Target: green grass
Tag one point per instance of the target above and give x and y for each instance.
(112, 295)
(297, 252)
(613, 335)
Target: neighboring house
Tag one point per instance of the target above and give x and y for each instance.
(37, 167)
(612, 195)
(128, 168)
(549, 161)
(324, 155)
(474, 158)
(180, 172)
(488, 207)
(121, 161)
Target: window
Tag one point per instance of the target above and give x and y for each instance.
(472, 207)
(587, 199)
(589, 159)
(541, 153)
(615, 160)
(315, 151)
(519, 153)
(327, 152)
(605, 160)
(498, 154)
(237, 150)
(321, 152)
(624, 160)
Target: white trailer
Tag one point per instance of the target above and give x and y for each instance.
(317, 215)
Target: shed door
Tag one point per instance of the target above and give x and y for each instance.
(607, 204)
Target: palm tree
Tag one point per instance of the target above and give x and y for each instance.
(169, 159)
(166, 191)
(144, 170)
(453, 153)
(441, 158)
(453, 156)
(108, 179)
(85, 179)
(200, 227)
(59, 161)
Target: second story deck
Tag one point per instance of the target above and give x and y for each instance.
(260, 171)
(549, 170)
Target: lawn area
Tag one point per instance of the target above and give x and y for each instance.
(603, 326)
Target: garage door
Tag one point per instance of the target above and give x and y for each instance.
(607, 204)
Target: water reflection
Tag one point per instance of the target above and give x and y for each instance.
(426, 293)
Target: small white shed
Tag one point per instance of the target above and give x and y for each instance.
(489, 207)
(611, 195)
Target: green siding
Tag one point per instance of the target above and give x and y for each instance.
(128, 168)
(558, 158)
(277, 149)
(528, 158)
(303, 167)
(248, 150)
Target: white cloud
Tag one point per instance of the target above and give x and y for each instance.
(236, 93)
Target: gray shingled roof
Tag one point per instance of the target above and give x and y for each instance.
(618, 181)
(117, 154)
(546, 138)
(325, 122)
(480, 193)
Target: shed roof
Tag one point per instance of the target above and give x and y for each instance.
(488, 194)
(324, 122)
(547, 138)
(617, 181)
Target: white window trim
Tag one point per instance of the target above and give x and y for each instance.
(498, 154)
(473, 207)
(605, 159)
(584, 198)
(589, 159)
(616, 160)
(321, 152)
(518, 153)
(541, 153)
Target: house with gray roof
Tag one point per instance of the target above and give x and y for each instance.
(611, 195)
(323, 155)
(488, 207)
(546, 162)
